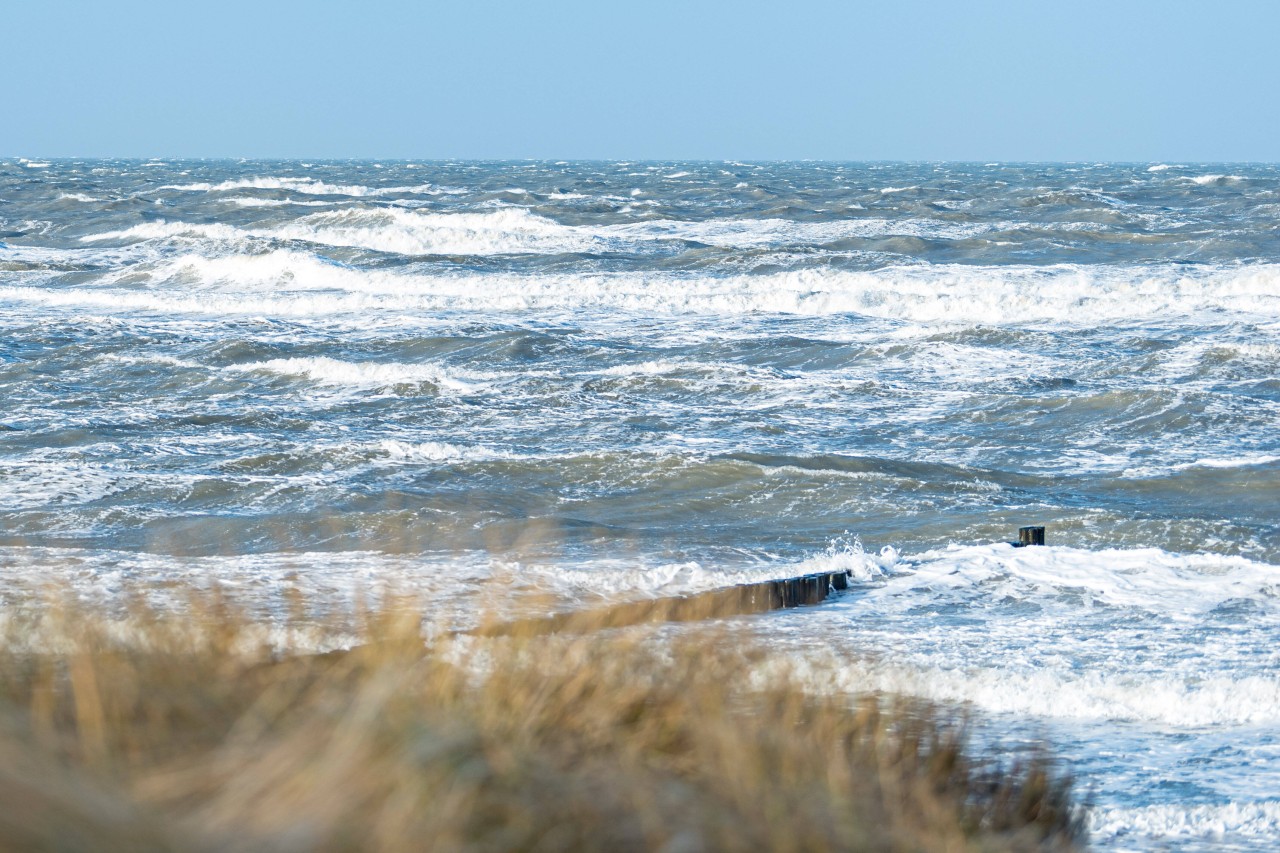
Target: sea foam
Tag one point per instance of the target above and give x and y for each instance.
(1237, 821)
(1066, 295)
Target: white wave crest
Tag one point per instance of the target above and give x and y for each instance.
(715, 371)
(1208, 180)
(516, 230)
(1257, 820)
(1147, 578)
(332, 371)
(283, 283)
(505, 231)
(408, 232)
(309, 186)
(850, 557)
(163, 230)
(436, 451)
(1243, 461)
(254, 201)
(1163, 699)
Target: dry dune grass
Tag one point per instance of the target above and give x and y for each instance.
(154, 731)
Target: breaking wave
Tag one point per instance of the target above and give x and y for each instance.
(309, 186)
(281, 282)
(516, 230)
(332, 371)
(1249, 820)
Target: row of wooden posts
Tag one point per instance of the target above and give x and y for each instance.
(742, 599)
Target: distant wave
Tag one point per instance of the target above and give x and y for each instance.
(1211, 180)
(284, 282)
(921, 294)
(310, 186)
(506, 231)
(515, 230)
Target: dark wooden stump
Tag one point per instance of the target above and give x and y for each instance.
(1030, 536)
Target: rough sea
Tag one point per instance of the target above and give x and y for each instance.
(589, 381)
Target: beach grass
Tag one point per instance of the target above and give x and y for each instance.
(196, 728)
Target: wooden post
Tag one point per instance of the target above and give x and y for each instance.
(758, 597)
(1030, 536)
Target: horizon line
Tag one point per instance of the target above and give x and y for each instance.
(1171, 162)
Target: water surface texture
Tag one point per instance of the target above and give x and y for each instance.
(638, 378)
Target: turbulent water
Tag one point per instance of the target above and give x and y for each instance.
(636, 378)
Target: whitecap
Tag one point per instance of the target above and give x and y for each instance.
(408, 232)
(1146, 578)
(436, 451)
(163, 230)
(1004, 688)
(1241, 461)
(310, 186)
(285, 283)
(1237, 820)
(332, 371)
(253, 201)
(1206, 180)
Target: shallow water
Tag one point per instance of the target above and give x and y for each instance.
(637, 378)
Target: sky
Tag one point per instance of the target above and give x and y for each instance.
(1124, 80)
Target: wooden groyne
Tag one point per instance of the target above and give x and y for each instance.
(739, 600)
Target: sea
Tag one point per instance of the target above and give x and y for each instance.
(573, 382)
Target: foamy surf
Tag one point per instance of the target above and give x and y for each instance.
(1193, 703)
(1148, 578)
(1236, 823)
(941, 294)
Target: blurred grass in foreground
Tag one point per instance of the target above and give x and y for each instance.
(149, 730)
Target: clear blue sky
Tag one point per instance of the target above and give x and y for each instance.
(652, 79)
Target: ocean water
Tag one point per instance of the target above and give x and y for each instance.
(479, 381)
